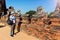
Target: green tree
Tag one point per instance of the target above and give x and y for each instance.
(50, 14)
(31, 12)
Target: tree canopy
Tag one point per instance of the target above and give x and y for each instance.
(31, 12)
(50, 14)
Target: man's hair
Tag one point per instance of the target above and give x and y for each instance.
(10, 7)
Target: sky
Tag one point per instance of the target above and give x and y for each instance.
(26, 5)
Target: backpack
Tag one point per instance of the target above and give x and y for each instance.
(9, 22)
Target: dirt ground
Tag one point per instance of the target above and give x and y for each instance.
(4, 35)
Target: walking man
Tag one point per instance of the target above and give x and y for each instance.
(12, 19)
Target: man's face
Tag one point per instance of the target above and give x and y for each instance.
(14, 14)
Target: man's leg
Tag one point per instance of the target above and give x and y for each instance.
(18, 28)
(12, 30)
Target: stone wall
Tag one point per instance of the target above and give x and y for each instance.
(40, 29)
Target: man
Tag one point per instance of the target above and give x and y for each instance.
(18, 23)
(12, 19)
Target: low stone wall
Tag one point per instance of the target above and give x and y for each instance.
(40, 29)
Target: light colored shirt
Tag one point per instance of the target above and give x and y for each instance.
(13, 18)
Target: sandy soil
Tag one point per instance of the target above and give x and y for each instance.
(4, 35)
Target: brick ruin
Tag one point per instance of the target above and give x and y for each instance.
(42, 27)
(2, 6)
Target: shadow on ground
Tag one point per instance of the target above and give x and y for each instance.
(2, 26)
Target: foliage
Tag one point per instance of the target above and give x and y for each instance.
(50, 14)
(31, 12)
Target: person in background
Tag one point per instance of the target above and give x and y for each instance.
(18, 23)
(19, 13)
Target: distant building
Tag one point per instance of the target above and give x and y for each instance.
(40, 12)
(57, 10)
(2, 6)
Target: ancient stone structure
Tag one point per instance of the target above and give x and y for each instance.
(57, 10)
(43, 27)
(2, 6)
(40, 12)
(58, 4)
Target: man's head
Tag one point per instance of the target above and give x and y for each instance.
(11, 8)
(14, 14)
